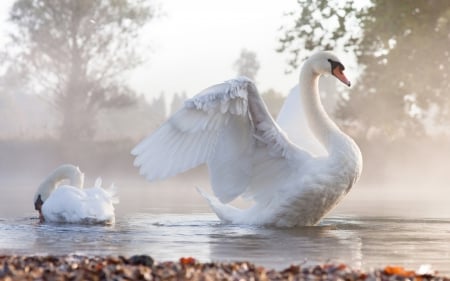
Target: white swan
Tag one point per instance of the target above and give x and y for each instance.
(70, 203)
(228, 127)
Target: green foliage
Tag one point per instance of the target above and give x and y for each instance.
(77, 53)
(320, 25)
(403, 46)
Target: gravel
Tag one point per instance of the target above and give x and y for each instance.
(143, 267)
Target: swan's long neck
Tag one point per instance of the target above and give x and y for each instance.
(318, 120)
(64, 172)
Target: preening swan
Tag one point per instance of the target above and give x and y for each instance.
(228, 127)
(70, 203)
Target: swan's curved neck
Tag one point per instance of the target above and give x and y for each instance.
(318, 120)
(64, 172)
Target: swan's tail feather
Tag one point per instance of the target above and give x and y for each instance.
(113, 192)
(225, 212)
(98, 182)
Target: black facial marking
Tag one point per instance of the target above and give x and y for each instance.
(335, 64)
(38, 204)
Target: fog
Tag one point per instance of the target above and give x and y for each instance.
(76, 117)
(400, 178)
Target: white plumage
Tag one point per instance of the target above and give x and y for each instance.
(228, 127)
(71, 203)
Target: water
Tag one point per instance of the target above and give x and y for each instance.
(362, 242)
(371, 228)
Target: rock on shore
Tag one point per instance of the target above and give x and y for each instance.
(142, 267)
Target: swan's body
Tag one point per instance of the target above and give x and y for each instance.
(228, 127)
(70, 203)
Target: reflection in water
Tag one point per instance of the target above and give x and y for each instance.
(358, 241)
(67, 239)
(281, 247)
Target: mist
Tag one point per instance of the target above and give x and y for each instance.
(68, 114)
(404, 176)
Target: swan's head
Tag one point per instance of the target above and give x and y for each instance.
(41, 195)
(328, 63)
(43, 192)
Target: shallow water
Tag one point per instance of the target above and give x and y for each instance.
(372, 227)
(363, 242)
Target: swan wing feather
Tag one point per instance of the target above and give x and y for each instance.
(222, 126)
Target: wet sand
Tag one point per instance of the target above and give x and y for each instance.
(142, 267)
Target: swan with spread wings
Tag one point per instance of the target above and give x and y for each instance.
(249, 154)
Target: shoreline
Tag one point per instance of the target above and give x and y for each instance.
(143, 267)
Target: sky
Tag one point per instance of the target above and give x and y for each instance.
(194, 44)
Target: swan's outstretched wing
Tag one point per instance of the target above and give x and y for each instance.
(222, 126)
(292, 120)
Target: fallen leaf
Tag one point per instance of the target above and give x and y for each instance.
(187, 261)
(398, 270)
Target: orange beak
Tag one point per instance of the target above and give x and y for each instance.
(339, 74)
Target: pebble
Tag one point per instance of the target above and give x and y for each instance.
(143, 267)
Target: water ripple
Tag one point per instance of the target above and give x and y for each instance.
(364, 242)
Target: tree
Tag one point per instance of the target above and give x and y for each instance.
(158, 109)
(403, 46)
(77, 54)
(247, 64)
(274, 101)
(320, 25)
(177, 102)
